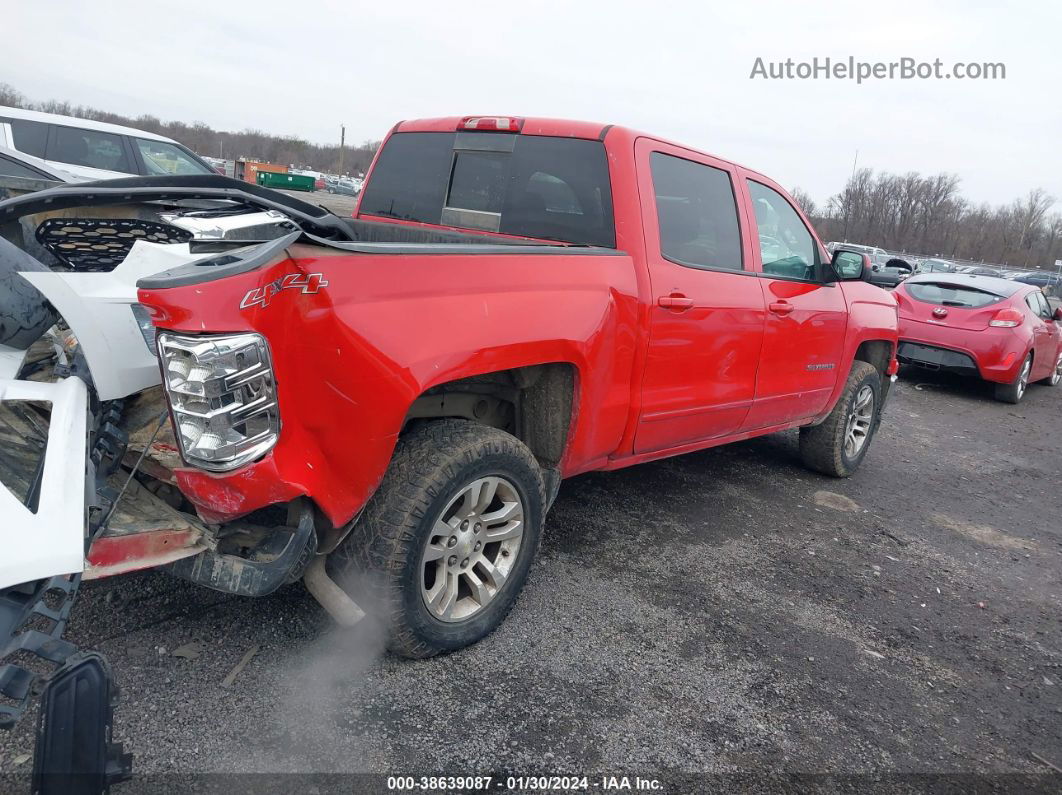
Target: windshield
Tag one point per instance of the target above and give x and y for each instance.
(526, 185)
(166, 159)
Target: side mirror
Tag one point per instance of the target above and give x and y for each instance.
(851, 266)
(1058, 314)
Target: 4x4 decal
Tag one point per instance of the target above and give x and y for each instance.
(308, 283)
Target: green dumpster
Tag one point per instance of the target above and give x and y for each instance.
(271, 179)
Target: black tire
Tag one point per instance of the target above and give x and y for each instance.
(1016, 389)
(25, 313)
(1056, 375)
(381, 562)
(822, 447)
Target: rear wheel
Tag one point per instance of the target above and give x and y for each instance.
(837, 446)
(443, 548)
(1056, 374)
(1015, 390)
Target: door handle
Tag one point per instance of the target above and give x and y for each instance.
(675, 301)
(781, 307)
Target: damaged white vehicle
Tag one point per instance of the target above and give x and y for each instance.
(86, 446)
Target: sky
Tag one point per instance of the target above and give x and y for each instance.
(678, 70)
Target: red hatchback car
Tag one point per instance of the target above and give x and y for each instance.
(1000, 330)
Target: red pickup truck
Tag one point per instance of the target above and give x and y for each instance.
(514, 302)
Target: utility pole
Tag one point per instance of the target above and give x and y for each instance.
(848, 198)
(342, 141)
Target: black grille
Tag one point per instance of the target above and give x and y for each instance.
(99, 244)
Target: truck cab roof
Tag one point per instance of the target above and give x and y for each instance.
(542, 125)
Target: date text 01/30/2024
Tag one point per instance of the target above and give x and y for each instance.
(522, 783)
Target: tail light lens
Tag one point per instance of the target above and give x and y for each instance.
(1007, 318)
(222, 394)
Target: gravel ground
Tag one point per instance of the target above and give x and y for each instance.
(725, 612)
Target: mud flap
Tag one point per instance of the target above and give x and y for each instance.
(75, 755)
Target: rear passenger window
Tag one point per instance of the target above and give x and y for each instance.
(13, 168)
(1038, 304)
(29, 136)
(786, 246)
(89, 148)
(697, 213)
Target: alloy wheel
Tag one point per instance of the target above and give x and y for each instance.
(472, 549)
(860, 418)
(1023, 377)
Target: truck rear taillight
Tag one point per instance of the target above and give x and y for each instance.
(1007, 318)
(494, 123)
(222, 394)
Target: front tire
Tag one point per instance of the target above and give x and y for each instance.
(838, 445)
(443, 547)
(1015, 390)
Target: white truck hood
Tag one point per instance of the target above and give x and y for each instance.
(98, 309)
(50, 540)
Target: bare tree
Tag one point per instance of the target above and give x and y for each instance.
(805, 202)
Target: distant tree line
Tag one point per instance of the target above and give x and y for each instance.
(927, 215)
(252, 144)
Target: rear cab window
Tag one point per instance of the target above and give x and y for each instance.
(534, 186)
(952, 295)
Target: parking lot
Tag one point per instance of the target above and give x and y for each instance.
(341, 204)
(721, 612)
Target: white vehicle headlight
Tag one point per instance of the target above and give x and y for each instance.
(223, 397)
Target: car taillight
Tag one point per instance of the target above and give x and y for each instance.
(495, 123)
(222, 394)
(1007, 318)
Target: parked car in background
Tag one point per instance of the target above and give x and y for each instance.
(889, 274)
(345, 186)
(935, 266)
(94, 149)
(1041, 279)
(979, 270)
(878, 256)
(1000, 330)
